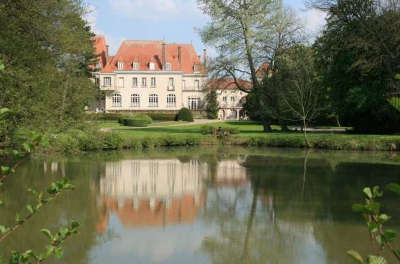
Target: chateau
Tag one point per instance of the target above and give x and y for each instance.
(157, 76)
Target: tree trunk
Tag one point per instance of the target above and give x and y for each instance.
(267, 126)
(305, 133)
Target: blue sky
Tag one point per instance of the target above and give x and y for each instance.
(170, 20)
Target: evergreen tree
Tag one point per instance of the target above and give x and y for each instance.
(212, 105)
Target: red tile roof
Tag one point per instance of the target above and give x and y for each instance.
(144, 52)
(100, 46)
(263, 70)
(228, 84)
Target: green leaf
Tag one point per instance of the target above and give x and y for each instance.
(58, 252)
(397, 76)
(394, 187)
(5, 169)
(389, 236)
(379, 240)
(373, 207)
(356, 256)
(358, 208)
(367, 191)
(74, 224)
(27, 147)
(384, 217)
(19, 219)
(373, 227)
(1, 203)
(4, 229)
(377, 192)
(47, 233)
(30, 208)
(376, 260)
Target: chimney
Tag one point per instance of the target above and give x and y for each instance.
(164, 57)
(205, 58)
(180, 57)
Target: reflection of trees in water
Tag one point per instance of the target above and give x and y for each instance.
(297, 211)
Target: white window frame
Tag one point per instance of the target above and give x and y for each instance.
(107, 81)
(144, 82)
(168, 66)
(135, 100)
(152, 66)
(171, 100)
(135, 66)
(153, 82)
(120, 65)
(171, 84)
(116, 100)
(194, 103)
(134, 82)
(153, 100)
(233, 99)
(196, 68)
(225, 99)
(121, 82)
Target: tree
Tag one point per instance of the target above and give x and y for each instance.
(301, 91)
(247, 34)
(212, 105)
(47, 49)
(359, 56)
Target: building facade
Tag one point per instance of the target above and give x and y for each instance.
(151, 76)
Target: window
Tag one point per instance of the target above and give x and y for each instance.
(171, 100)
(121, 82)
(144, 82)
(120, 65)
(183, 84)
(116, 100)
(135, 100)
(171, 84)
(153, 100)
(134, 82)
(168, 66)
(197, 85)
(225, 99)
(233, 99)
(152, 66)
(107, 81)
(196, 68)
(135, 66)
(153, 82)
(194, 103)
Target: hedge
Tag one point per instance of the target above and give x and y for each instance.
(184, 115)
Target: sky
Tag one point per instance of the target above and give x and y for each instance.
(169, 20)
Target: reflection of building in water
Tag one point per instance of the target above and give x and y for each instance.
(152, 192)
(230, 172)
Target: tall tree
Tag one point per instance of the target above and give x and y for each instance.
(46, 48)
(359, 57)
(246, 34)
(212, 105)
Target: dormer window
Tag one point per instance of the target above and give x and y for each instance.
(120, 65)
(152, 66)
(168, 66)
(196, 68)
(135, 66)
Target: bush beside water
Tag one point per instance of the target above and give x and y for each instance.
(184, 115)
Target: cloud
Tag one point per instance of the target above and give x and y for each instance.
(155, 9)
(314, 20)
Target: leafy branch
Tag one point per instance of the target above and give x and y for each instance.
(52, 192)
(375, 219)
(54, 248)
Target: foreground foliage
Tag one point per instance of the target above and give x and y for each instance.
(375, 219)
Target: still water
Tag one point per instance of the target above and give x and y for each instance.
(204, 205)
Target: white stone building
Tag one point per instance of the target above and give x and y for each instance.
(151, 76)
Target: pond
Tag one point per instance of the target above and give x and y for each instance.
(203, 205)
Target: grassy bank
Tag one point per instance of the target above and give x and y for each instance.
(91, 138)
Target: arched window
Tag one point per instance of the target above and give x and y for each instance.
(135, 100)
(171, 100)
(116, 100)
(152, 66)
(153, 100)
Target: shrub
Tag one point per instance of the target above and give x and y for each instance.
(184, 115)
(232, 130)
(138, 120)
(113, 141)
(162, 116)
(206, 130)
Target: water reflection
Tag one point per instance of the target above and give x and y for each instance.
(205, 206)
(152, 192)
